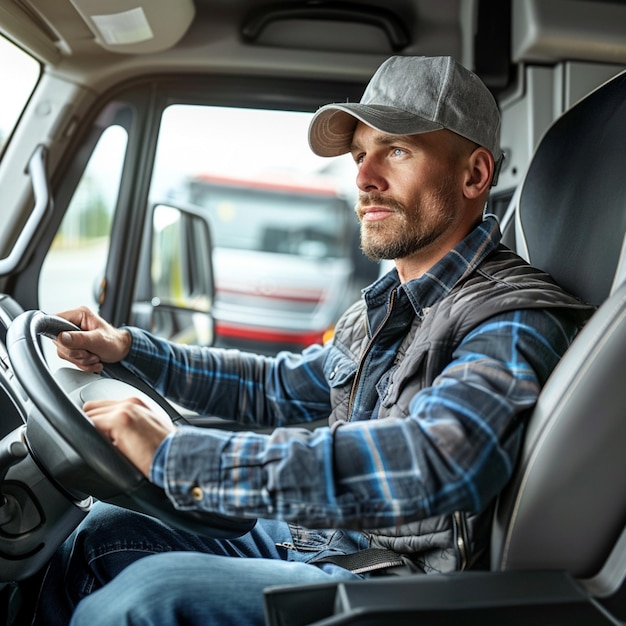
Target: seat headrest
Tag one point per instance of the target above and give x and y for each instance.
(572, 206)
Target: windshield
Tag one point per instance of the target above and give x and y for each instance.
(18, 73)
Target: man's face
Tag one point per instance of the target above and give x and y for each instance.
(410, 189)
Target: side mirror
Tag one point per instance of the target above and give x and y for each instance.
(176, 289)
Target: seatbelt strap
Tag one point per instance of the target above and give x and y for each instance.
(368, 560)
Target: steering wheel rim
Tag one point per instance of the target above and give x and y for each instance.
(118, 474)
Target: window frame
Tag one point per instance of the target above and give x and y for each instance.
(137, 106)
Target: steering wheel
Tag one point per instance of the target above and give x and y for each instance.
(63, 440)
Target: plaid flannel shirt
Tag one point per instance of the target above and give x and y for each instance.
(386, 471)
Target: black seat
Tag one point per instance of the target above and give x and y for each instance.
(559, 538)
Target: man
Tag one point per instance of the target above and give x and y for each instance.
(426, 384)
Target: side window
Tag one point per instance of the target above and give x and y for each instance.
(286, 254)
(76, 261)
(19, 73)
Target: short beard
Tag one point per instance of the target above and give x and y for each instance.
(416, 229)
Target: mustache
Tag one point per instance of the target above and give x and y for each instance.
(373, 198)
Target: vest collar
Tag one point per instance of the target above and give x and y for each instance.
(439, 280)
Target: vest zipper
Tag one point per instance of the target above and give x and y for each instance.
(359, 370)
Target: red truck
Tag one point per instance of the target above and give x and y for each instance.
(286, 258)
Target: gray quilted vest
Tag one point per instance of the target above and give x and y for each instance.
(503, 282)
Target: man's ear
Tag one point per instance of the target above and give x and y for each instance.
(480, 169)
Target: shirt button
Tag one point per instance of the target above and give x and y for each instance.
(196, 494)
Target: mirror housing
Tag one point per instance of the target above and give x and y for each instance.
(175, 283)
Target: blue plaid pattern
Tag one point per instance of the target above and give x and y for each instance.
(455, 451)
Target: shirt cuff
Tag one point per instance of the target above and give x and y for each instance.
(157, 468)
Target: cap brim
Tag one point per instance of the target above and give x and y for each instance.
(332, 126)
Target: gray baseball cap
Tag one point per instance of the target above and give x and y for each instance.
(412, 95)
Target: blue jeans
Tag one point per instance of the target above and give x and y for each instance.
(121, 567)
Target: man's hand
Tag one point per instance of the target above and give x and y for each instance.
(98, 342)
(133, 427)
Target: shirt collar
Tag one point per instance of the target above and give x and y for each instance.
(439, 280)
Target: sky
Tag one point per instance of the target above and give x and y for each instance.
(235, 141)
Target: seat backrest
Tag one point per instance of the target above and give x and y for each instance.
(571, 213)
(565, 507)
